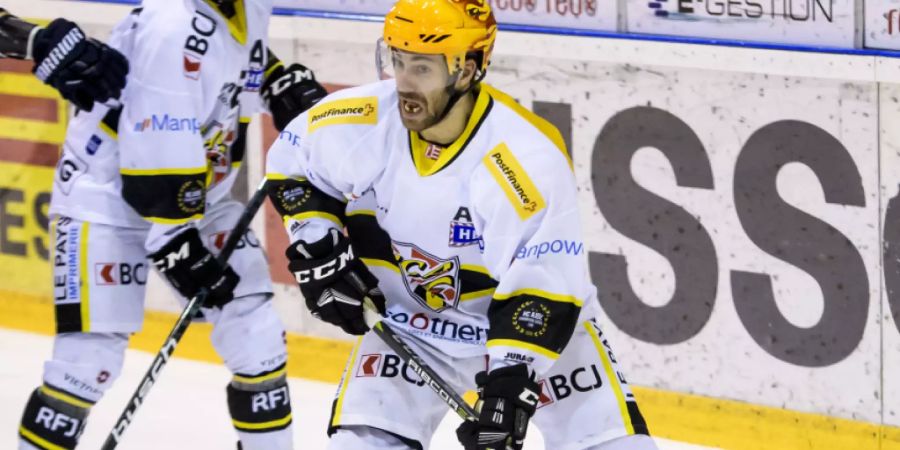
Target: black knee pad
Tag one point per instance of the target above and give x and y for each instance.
(260, 403)
(53, 418)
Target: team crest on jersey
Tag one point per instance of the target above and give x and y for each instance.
(218, 141)
(220, 133)
(431, 280)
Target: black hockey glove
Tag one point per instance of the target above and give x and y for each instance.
(190, 267)
(83, 70)
(334, 282)
(508, 397)
(289, 92)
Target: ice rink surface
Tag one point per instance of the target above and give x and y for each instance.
(186, 409)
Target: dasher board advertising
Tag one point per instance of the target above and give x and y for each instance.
(577, 14)
(799, 22)
(882, 24)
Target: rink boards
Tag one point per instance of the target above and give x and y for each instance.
(740, 205)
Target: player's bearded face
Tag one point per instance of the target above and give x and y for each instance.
(424, 87)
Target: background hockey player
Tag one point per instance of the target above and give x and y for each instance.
(154, 177)
(482, 268)
(82, 69)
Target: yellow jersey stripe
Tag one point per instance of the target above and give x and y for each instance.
(613, 378)
(476, 294)
(169, 171)
(361, 212)
(380, 263)
(545, 127)
(418, 146)
(523, 345)
(85, 278)
(315, 215)
(167, 221)
(109, 131)
(539, 293)
(237, 25)
(336, 418)
(275, 176)
(475, 268)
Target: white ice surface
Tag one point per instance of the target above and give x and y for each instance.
(186, 409)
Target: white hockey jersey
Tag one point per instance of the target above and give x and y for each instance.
(175, 144)
(483, 245)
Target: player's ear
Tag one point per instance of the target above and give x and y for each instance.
(467, 77)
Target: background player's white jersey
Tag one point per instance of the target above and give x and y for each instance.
(172, 148)
(484, 242)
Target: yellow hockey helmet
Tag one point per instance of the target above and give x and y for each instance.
(453, 28)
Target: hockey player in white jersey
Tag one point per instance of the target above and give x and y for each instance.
(464, 232)
(149, 185)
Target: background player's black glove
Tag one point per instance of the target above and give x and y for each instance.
(290, 91)
(83, 70)
(334, 282)
(190, 267)
(508, 397)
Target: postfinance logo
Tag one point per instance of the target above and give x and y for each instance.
(356, 111)
(511, 177)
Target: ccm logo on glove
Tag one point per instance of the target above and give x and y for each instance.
(325, 270)
(170, 259)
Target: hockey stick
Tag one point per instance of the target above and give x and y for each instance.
(417, 364)
(181, 325)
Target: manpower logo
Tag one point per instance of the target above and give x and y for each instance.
(165, 122)
(522, 193)
(555, 247)
(349, 111)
